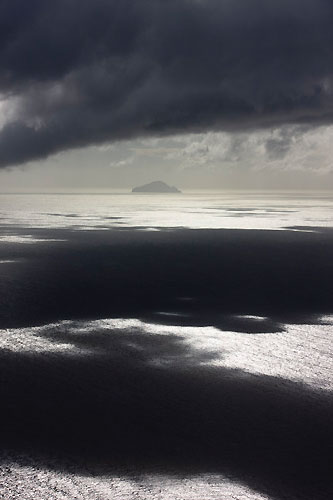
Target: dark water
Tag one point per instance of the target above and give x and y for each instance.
(166, 346)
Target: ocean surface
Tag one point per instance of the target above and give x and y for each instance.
(166, 346)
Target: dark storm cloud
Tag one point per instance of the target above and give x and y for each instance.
(83, 72)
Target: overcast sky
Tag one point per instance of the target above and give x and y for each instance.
(105, 94)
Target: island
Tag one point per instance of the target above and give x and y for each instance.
(155, 187)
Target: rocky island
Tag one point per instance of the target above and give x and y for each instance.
(155, 187)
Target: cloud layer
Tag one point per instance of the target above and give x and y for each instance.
(74, 73)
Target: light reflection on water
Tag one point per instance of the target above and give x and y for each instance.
(218, 210)
(51, 484)
(301, 353)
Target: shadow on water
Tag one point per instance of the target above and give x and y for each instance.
(120, 403)
(209, 317)
(205, 276)
(113, 405)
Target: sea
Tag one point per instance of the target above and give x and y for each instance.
(166, 346)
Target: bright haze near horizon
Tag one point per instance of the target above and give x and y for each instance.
(207, 94)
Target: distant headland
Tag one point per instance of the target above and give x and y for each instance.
(156, 187)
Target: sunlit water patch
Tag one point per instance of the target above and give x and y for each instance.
(18, 238)
(301, 353)
(242, 210)
(22, 477)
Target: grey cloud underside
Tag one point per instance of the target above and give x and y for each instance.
(84, 72)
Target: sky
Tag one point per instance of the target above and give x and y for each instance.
(203, 94)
